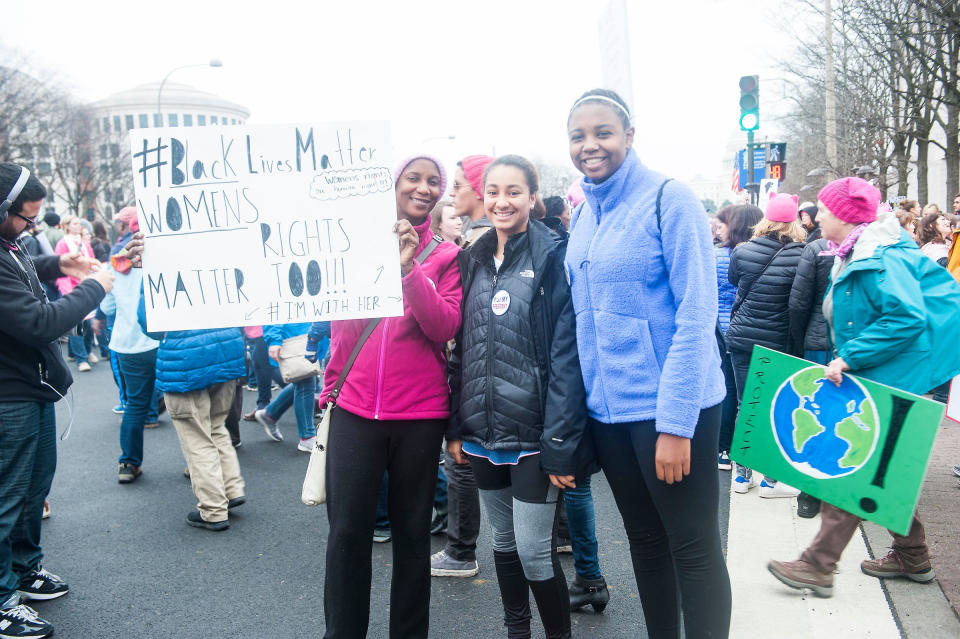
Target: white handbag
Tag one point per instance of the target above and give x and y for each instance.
(314, 490)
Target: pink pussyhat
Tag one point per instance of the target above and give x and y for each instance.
(851, 199)
(575, 194)
(782, 207)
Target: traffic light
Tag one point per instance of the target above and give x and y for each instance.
(750, 102)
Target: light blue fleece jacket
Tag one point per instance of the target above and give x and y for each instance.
(645, 300)
(126, 336)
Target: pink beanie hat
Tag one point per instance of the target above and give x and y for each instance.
(575, 194)
(782, 207)
(851, 199)
(397, 172)
(473, 167)
(128, 215)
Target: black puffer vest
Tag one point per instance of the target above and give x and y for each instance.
(501, 403)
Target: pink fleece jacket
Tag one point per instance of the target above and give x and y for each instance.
(400, 373)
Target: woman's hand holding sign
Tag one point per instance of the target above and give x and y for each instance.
(835, 370)
(409, 241)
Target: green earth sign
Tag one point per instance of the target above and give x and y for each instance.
(825, 431)
(861, 446)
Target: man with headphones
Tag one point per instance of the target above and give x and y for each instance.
(33, 375)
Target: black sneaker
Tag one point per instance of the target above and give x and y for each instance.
(236, 501)
(41, 585)
(194, 519)
(22, 622)
(127, 473)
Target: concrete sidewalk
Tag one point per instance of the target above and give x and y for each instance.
(862, 606)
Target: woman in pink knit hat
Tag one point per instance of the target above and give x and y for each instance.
(890, 311)
(389, 418)
(763, 270)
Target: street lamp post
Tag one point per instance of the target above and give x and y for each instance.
(215, 62)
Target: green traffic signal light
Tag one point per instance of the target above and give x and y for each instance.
(750, 102)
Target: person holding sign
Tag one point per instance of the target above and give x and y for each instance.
(891, 313)
(519, 410)
(644, 283)
(390, 416)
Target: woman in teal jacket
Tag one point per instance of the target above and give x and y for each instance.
(890, 310)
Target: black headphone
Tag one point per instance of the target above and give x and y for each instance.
(14, 193)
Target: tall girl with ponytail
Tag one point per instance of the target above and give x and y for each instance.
(643, 279)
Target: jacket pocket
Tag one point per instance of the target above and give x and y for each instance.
(628, 363)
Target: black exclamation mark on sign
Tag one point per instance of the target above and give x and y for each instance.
(898, 415)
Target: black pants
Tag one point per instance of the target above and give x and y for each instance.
(463, 510)
(360, 450)
(672, 529)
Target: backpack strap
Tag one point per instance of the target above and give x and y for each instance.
(660, 197)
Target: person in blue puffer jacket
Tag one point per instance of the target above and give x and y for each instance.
(300, 394)
(197, 372)
(644, 283)
(735, 224)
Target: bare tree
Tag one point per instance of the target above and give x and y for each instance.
(84, 169)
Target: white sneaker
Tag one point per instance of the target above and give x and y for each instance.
(83, 367)
(92, 358)
(306, 445)
(742, 484)
(777, 490)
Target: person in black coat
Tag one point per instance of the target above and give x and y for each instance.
(519, 405)
(763, 271)
(806, 309)
(806, 300)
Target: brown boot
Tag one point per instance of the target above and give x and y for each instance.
(893, 565)
(800, 574)
(249, 417)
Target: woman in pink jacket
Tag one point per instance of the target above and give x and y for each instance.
(78, 346)
(390, 417)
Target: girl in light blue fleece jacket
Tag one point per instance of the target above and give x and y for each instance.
(643, 277)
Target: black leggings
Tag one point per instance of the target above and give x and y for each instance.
(360, 450)
(672, 529)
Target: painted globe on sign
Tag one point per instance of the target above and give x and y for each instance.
(824, 430)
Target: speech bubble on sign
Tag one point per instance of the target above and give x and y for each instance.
(337, 185)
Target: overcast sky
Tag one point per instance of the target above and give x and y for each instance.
(498, 74)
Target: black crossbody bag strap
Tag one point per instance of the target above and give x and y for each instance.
(739, 301)
(371, 326)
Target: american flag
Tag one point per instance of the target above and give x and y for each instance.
(735, 187)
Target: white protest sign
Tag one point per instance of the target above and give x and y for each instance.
(268, 224)
(767, 189)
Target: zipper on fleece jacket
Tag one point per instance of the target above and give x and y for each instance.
(596, 334)
(383, 348)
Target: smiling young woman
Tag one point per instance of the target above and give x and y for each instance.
(643, 277)
(518, 409)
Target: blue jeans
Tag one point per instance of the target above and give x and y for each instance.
(820, 357)
(581, 523)
(28, 459)
(266, 373)
(440, 492)
(300, 395)
(114, 361)
(79, 346)
(139, 374)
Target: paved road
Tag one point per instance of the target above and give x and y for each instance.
(137, 570)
